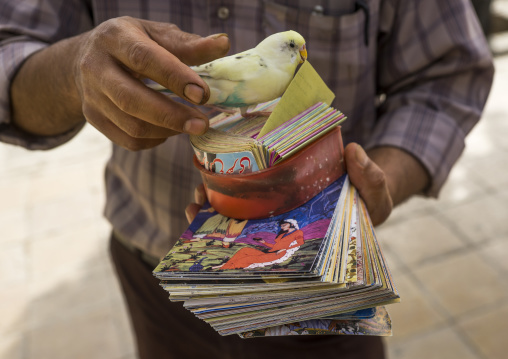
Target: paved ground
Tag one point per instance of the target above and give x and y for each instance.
(59, 297)
(449, 256)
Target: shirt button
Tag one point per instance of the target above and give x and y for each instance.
(223, 13)
(318, 10)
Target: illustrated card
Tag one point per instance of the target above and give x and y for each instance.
(227, 163)
(286, 244)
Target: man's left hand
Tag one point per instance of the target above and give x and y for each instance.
(384, 177)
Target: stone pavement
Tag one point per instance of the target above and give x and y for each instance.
(449, 257)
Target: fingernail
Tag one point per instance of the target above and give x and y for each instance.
(216, 36)
(194, 93)
(194, 126)
(361, 156)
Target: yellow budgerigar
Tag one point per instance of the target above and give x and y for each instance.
(257, 75)
(254, 76)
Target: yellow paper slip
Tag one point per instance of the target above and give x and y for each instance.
(305, 90)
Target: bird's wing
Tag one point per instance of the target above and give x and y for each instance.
(239, 67)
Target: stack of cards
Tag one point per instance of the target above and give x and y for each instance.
(317, 269)
(233, 145)
(298, 132)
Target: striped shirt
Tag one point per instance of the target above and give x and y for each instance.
(409, 74)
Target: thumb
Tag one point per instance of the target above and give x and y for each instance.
(202, 49)
(370, 181)
(191, 49)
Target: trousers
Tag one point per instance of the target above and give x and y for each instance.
(165, 329)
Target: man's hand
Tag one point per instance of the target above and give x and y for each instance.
(384, 177)
(98, 75)
(118, 53)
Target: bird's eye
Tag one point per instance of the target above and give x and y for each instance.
(292, 44)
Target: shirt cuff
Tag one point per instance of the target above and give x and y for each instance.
(433, 138)
(12, 56)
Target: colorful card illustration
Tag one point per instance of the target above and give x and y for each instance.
(227, 163)
(257, 278)
(285, 244)
(299, 131)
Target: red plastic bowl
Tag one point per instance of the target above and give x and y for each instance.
(277, 189)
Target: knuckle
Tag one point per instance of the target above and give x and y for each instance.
(137, 130)
(170, 30)
(108, 29)
(174, 81)
(86, 64)
(166, 30)
(377, 178)
(124, 100)
(169, 120)
(173, 27)
(126, 18)
(114, 27)
(138, 56)
(111, 32)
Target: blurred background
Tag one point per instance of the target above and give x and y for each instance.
(449, 258)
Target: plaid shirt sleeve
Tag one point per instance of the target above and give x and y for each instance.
(434, 88)
(27, 26)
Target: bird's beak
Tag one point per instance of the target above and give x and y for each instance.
(303, 54)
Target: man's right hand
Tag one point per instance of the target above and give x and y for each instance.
(99, 75)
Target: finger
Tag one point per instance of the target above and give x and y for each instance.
(200, 194)
(134, 98)
(370, 182)
(191, 49)
(132, 126)
(191, 211)
(143, 55)
(116, 135)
